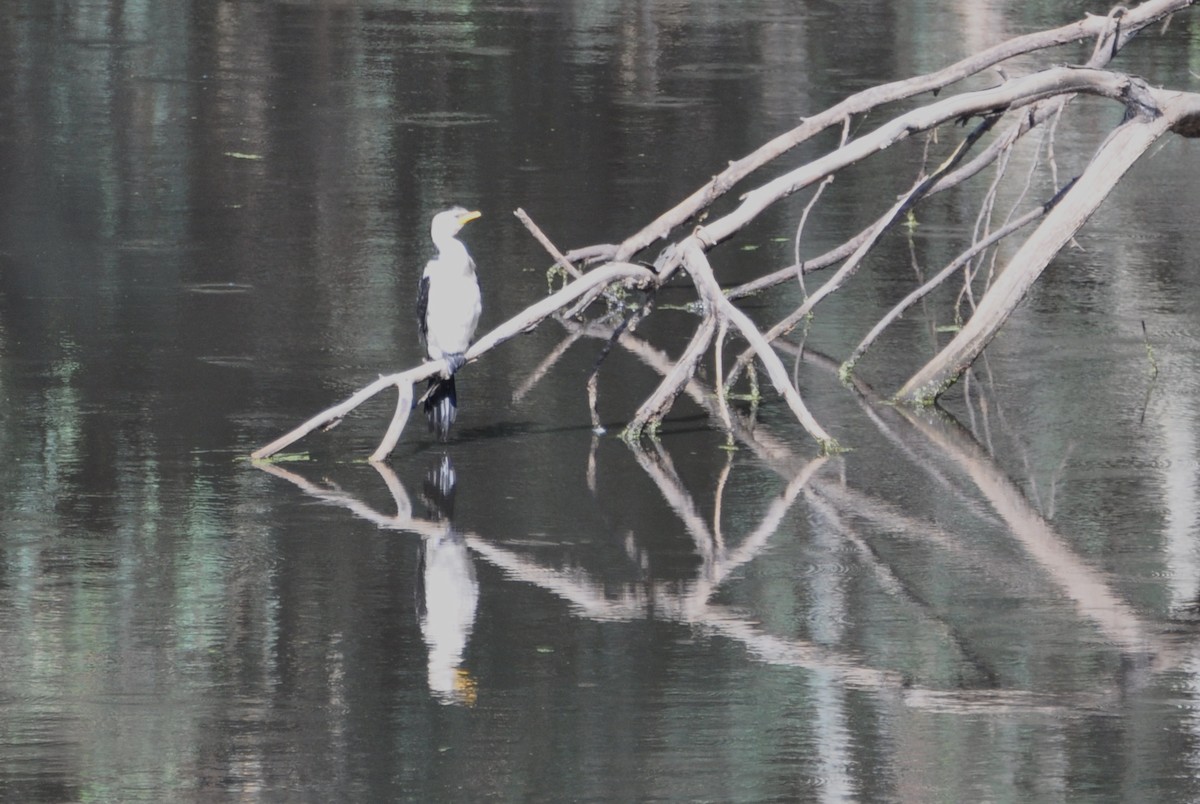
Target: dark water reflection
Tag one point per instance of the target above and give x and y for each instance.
(211, 219)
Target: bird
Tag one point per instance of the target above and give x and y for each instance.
(448, 308)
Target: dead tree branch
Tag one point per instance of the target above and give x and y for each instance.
(405, 380)
(1016, 106)
(1157, 113)
(1102, 29)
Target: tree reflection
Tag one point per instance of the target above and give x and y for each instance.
(921, 566)
(450, 591)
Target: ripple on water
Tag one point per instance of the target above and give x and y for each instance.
(658, 102)
(228, 361)
(219, 287)
(1120, 465)
(443, 119)
(830, 568)
(717, 71)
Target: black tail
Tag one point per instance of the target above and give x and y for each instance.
(441, 406)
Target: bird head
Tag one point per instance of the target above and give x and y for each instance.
(448, 223)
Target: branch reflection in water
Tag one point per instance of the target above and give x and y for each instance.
(935, 445)
(450, 610)
(943, 449)
(1147, 647)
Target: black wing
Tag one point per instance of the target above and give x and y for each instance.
(423, 308)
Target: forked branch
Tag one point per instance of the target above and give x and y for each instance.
(1023, 103)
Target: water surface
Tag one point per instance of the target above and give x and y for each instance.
(212, 217)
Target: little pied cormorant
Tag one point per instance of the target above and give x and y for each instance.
(448, 307)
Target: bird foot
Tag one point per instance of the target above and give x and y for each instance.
(454, 362)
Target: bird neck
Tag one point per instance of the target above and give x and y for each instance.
(452, 251)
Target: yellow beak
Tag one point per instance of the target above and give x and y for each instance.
(467, 217)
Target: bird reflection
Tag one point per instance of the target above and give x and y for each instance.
(447, 592)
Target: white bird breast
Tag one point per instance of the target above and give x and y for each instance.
(452, 314)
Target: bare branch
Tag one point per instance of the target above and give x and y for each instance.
(1132, 21)
(701, 272)
(1115, 156)
(551, 249)
(523, 322)
(986, 156)
(404, 403)
(1011, 94)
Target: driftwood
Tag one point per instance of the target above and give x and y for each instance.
(607, 273)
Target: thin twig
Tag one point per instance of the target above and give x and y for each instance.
(957, 263)
(540, 236)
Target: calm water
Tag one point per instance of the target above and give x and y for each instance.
(212, 216)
